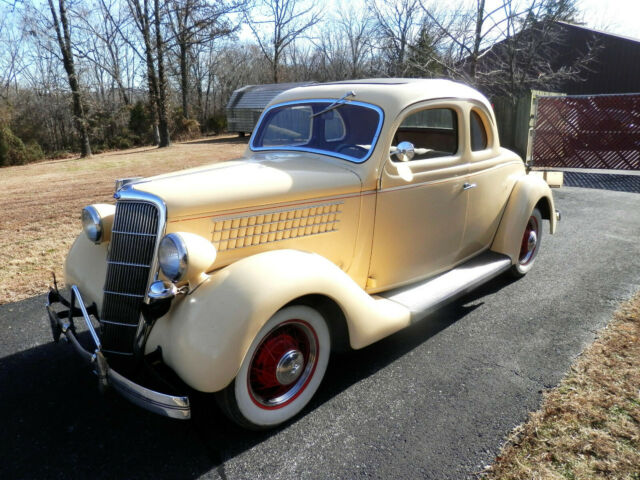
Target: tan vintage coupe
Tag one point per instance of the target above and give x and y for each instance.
(358, 208)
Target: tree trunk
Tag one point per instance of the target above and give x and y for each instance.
(152, 81)
(64, 42)
(184, 78)
(477, 40)
(163, 122)
(276, 59)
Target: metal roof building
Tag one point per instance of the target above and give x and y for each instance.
(247, 103)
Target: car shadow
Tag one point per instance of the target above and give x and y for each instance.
(56, 424)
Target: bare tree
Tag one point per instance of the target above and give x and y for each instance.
(148, 22)
(197, 22)
(284, 21)
(106, 49)
(344, 46)
(509, 49)
(11, 53)
(357, 29)
(398, 23)
(526, 58)
(63, 35)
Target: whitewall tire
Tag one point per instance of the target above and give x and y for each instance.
(281, 371)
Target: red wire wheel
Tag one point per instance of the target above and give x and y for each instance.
(283, 364)
(529, 243)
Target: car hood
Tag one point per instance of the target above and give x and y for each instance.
(259, 179)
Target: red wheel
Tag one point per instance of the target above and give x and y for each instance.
(281, 371)
(283, 364)
(529, 244)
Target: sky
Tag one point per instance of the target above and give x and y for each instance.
(615, 16)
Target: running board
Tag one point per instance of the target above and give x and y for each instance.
(428, 295)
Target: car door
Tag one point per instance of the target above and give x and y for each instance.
(492, 173)
(421, 203)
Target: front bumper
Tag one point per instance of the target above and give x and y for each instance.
(62, 323)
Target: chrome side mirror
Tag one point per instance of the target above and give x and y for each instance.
(405, 151)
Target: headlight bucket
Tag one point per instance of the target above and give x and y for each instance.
(173, 257)
(97, 220)
(185, 256)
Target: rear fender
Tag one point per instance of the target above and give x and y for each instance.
(528, 192)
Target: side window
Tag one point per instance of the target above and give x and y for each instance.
(479, 139)
(434, 130)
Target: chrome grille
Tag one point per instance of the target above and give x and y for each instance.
(133, 241)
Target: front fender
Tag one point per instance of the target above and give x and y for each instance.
(528, 192)
(86, 267)
(207, 333)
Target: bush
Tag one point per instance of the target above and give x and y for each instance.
(217, 123)
(184, 128)
(14, 152)
(34, 151)
(140, 121)
(122, 143)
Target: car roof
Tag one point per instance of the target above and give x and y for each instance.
(392, 94)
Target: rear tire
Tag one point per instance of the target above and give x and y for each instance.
(281, 371)
(529, 245)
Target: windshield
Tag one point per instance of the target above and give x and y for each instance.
(348, 130)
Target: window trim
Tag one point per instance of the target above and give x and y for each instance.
(374, 140)
(487, 131)
(459, 120)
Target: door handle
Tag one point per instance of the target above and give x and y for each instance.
(467, 185)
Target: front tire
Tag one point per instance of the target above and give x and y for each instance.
(281, 371)
(529, 245)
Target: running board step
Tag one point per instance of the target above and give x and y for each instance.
(428, 295)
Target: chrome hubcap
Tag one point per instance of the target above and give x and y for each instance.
(289, 367)
(531, 241)
(283, 364)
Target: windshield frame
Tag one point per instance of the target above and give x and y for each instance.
(329, 153)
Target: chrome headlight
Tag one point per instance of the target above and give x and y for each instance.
(185, 256)
(96, 222)
(173, 257)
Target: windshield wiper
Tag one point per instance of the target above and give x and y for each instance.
(338, 103)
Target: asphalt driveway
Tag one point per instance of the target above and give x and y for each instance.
(433, 401)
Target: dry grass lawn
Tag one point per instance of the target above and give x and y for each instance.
(588, 427)
(40, 204)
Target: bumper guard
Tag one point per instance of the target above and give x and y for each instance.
(62, 323)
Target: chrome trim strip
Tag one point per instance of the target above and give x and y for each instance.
(126, 354)
(123, 294)
(134, 233)
(128, 264)
(85, 315)
(374, 140)
(110, 322)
